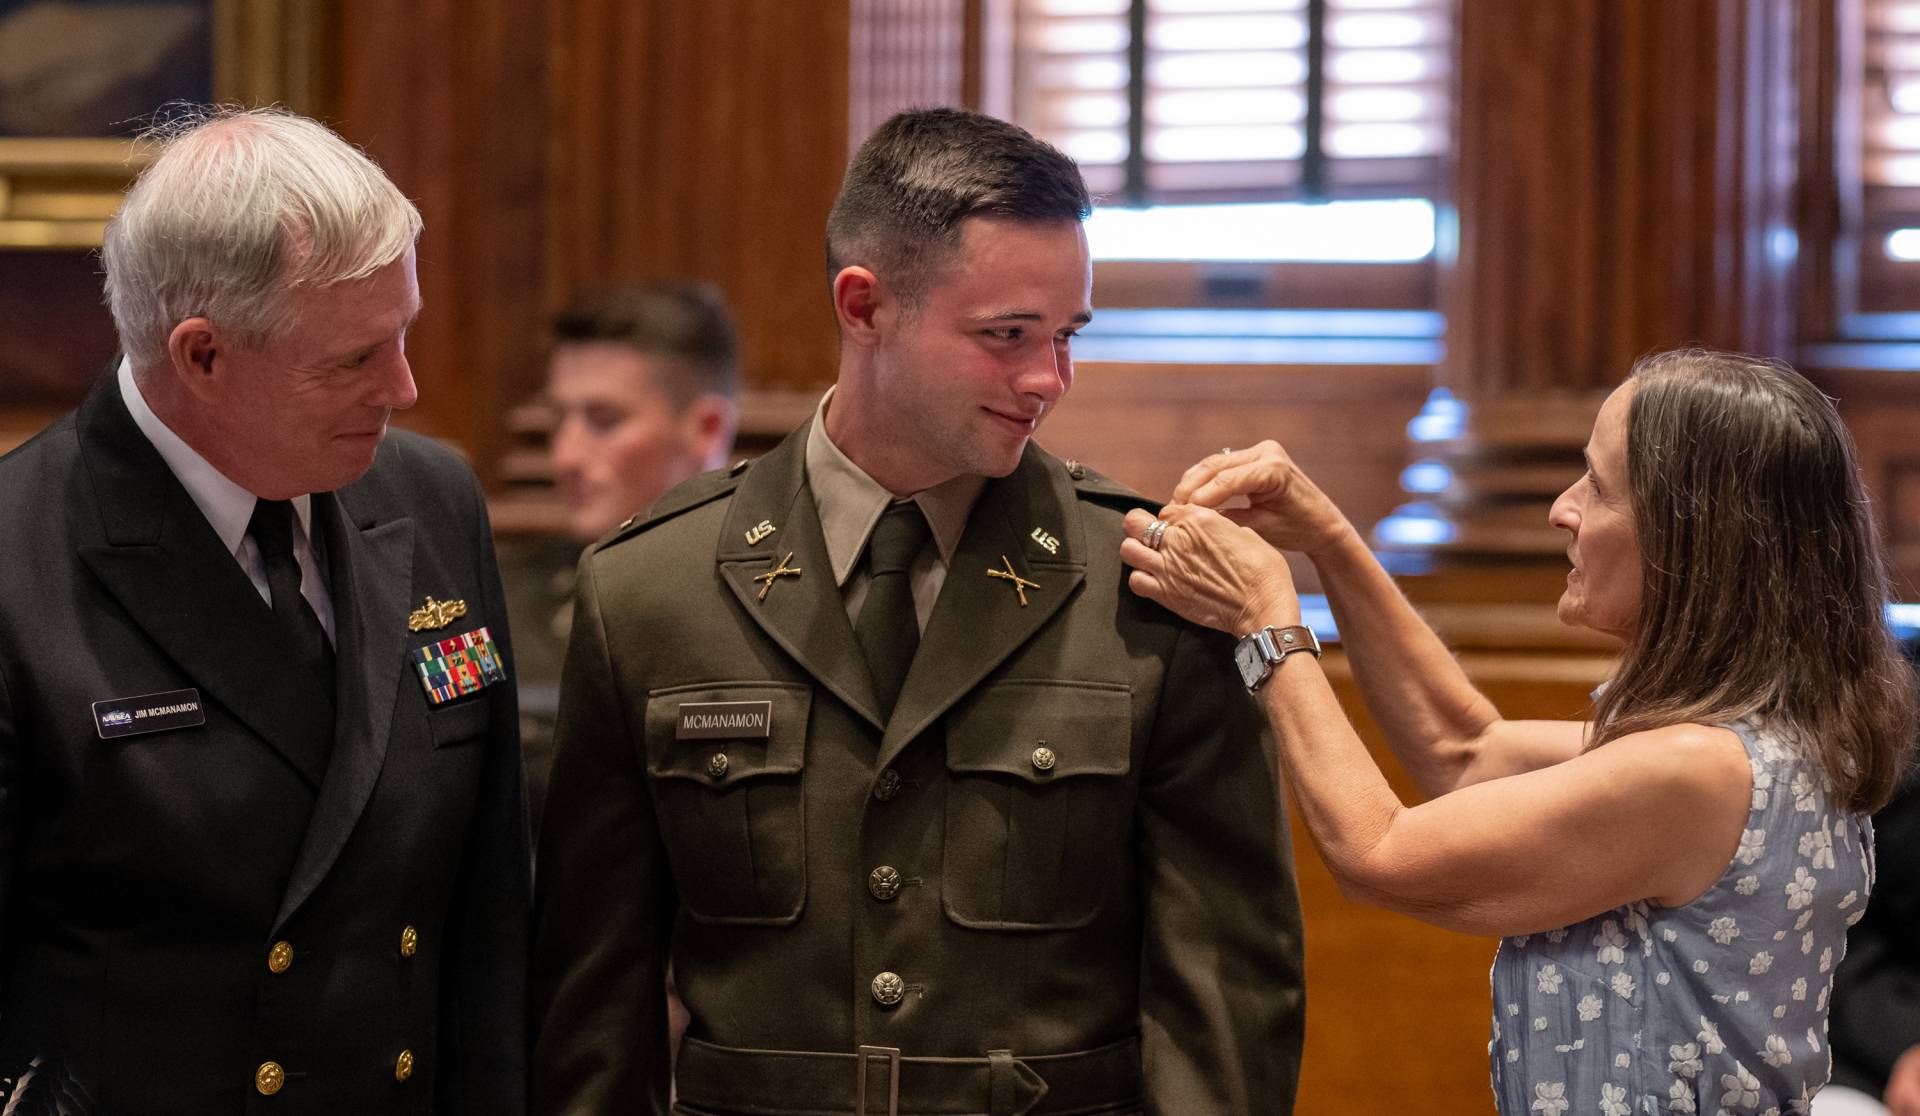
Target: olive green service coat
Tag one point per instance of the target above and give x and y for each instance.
(935, 883)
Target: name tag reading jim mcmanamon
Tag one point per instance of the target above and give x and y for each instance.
(148, 713)
(728, 720)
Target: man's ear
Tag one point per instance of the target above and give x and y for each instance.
(862, 304)
(708, 426)
(193, 353)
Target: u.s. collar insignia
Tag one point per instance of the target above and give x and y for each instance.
(435, 615)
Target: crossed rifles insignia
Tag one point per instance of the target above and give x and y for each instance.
(1020, 584)
(767, 579)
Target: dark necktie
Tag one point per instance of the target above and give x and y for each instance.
(299, 630)
(888, 629)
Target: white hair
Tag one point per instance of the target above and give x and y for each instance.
(242, 207)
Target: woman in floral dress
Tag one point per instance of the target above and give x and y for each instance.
(1673, 879)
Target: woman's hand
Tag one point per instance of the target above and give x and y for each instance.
(1210, 571)
(1284, 506)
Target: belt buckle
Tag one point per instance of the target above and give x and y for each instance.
(892, 1055)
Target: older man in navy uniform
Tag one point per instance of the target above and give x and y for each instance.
(262, 840)
(929, 813)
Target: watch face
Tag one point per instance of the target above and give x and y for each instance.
(1253, 665)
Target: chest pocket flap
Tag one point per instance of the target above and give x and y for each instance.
(725, 761)
(1039, 808)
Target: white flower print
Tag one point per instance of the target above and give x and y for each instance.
(1803, 792)
(1710, 1034)
(1852, 898)
(1776, 1053)
(1813, 1041)
(1557, 936)
(1622, 1060)
(1685, 1059)
(1826, 959)
(1496, 1028)
(1817, 846)
(1662, 979)
(1806, 942)
(1613, 1100)
(1800, 988)
(1753, 845)
(1550, 979)
(1521, 941)
(1723, 930)
(1679, 1097)
(1856, 917)
(1799, 1105)
(1799, 889)
(1761, 962)
(1820, 1001)
(1741, 1087)
(1806, 916)
(1609, 943)
(1747, 885)
(1539, 1022)
(1670, 934)
(1550, 1099)
(1622, 985)
(1701, 965)
(1513, 1009)
(1780, 1012)
(1762, 783)
(1589, 1008)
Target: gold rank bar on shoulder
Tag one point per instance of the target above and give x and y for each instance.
(435, 615)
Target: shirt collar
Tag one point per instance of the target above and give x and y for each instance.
(227, 506)
(850, 502)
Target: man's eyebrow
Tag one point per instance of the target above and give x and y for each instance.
(1082, 318)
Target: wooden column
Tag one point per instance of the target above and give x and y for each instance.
(1622, 183)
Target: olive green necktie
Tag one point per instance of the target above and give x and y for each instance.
(888, 628)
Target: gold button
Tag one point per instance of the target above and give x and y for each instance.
(884, 883)
(717, 766)
(888, 989)
(280, 957)
(888, 785)
(403, 1066)
(1044, 759)
(269, 1078)
(409, 942)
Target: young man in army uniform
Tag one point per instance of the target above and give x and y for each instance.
(929, 812)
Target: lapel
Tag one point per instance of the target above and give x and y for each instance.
(371, 564)
(805, 615)
(978, 620)
(162, 561)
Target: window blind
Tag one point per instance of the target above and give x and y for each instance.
(1240, 100)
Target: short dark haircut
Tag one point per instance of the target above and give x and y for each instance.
(1764, 583)
(924, 172)
(685, 324)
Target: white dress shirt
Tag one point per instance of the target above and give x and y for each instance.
(229, 507)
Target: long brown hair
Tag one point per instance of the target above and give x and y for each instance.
(1764, 581)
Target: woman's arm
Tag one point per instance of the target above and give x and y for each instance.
(1441, 728)
(1656, 816)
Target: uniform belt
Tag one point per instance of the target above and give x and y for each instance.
(804, 1083)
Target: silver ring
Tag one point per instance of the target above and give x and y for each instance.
(1226, 451)
(1155, 530)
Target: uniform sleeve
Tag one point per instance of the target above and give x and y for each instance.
(484, 976)
(1222, 1007)
(603, 904)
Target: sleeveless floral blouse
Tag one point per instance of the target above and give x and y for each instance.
(1718, 1007)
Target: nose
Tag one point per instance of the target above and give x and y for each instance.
(1565, 513)
(568, 449)
(1048, 377)
(397, 389)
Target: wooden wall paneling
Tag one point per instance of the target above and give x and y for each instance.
(451, 99)
(1624, 174)
(1882, 411)
(704, 141)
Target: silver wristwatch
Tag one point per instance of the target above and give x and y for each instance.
(1256, 655)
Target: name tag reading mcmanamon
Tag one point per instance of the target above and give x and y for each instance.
(148, 713)
(730, 720)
